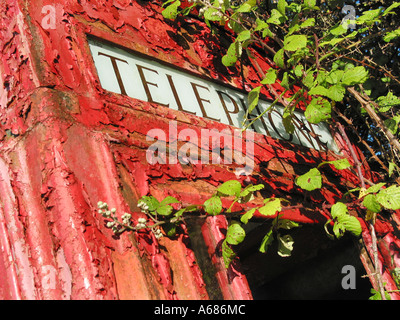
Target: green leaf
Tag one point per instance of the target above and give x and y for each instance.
(270, 76)
(321, 76)
(178, 214)
(212, 14)
(376, 295)
(298, 71)
(355, 76)
(231, 56)
(169, 229)
(308, 23)
(266, 242)
(310, 181)
(151, 202)
(335, 76)
(285, 81)
(227, 253)
(336, 92)
(271, 207)
(276, 17)
(318, 110)
(338, 30)
(308, 80)
(287, 224)
(250, 189)
(387, 102)
(295, 42)
(351, 224)
(389, 198)
(287, 122)
(391, 35)
(339, 164)
(338, 209)
(247, 216)
(339, 230)
(392, 166)
(164, 210)
(247, 6)
(285, 245)
(235, 234)
(393, 124)
(243, 36)
(253, 98)
(369, 16)
(230, 188)
(327, 231)
(282, 4)
(168, 200)
(267, 33)
(260, 25)
(375, 188)
(344, 221)
(279, 58)
(389, 9)
(263, 26)
(372, 204)
(171, 11)
(319, 90)
(310, 3)
(247, 194)
(213, 206)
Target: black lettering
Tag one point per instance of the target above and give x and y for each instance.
(146, 84)
(200, 100)
(116, 70)
(178, 101)
(234, 111)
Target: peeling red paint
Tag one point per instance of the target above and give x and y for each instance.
(67, 144)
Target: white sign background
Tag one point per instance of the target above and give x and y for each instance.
(121, 71)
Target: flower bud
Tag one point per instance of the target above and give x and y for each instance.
(142, 220)
(110, 224)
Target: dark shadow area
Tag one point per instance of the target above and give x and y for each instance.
(313, 272)
(203, 259)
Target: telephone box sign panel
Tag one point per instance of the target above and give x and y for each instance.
(124, 72)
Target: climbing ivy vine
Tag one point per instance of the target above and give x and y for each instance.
(310, 57)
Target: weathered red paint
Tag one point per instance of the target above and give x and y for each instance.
(67, 143)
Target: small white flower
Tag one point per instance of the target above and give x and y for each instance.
(126, 216)
(110, 224)
(104, 205)
(157, 233)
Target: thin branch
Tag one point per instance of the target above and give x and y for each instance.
(367, 104)
(371, 225)
(353, 155)
(377, 262)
